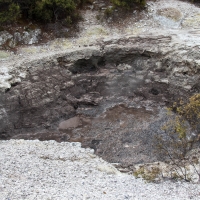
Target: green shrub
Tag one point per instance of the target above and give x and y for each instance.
(108, 11)
(148, 174)
(52, 10)
(181, 135)
(129, 3)
(9, 11)
(39, 10)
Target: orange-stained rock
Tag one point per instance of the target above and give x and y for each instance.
(70, 123)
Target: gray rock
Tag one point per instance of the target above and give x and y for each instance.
(17, 38)
(26, 37)
(70, 123)
(31, 37)
(5, 37)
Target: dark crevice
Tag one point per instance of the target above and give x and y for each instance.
(154, 91)
(7, 90)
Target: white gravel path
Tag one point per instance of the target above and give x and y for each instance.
(51, 170)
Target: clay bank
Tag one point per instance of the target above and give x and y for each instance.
(110, 95)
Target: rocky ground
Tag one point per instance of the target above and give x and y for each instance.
(51, 170)
(108, 89)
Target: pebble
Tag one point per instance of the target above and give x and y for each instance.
(33, 170)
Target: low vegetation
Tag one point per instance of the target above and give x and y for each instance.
(180, 140)
(67, 11)
(45, 11)
(39, 10)
(150, 174)
(178, 146)
(129, 3)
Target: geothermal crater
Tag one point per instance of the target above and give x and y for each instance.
(110, 96)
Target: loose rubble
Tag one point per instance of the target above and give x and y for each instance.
(51, 170)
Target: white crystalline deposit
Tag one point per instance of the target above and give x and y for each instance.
(51, 170)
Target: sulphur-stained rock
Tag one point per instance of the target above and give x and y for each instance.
(192, 21)
(171, 13)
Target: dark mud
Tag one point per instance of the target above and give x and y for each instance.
(112, 103)
(121, 134)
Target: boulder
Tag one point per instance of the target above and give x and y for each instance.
(26, 37)
(5, 36)
(70, 123)
(31, 37)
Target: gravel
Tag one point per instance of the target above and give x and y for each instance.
(51, 170)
